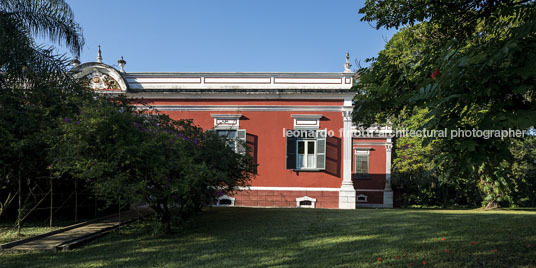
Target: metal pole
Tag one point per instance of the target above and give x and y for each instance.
(51, 203)
(119, 226)
(19, 215)
(75, 200)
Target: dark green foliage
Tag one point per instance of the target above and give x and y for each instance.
(471, 65)
(129, 156)
(54, 129)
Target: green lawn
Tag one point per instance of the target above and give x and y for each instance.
(248, 237)
(8, 232)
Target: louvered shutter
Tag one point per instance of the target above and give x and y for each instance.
(291, 152)
(321, 149)
(241, 141)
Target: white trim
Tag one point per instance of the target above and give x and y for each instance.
(239, 108)
(306, 116)
(361, 201)
(226, 197)
(362, 150)
(370, 143)
(268, 188)
(369, 190)
(226, 116)
(369, 205)
(305, 198)
(306, 120)
(240, 95)
(226, 121)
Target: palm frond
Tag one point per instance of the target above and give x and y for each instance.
(51, 19)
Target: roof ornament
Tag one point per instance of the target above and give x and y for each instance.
(99, 56)
(347, 65)
(121, 62)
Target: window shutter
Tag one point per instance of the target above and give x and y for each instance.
(291, 152)
(321, 149)
(241, 138)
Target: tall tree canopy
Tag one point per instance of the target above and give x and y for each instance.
(470, 64)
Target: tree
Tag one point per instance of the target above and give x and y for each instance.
(34, 91)
(471, 64)
(127, 155)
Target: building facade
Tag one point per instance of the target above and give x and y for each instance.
(298, 127)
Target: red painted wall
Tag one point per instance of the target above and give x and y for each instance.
(268, 127)
(377, 163)
(324, 199)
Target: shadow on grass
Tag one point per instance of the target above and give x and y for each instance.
(248, 237)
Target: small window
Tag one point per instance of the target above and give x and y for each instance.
(305, 202)
(362, 165)
(235, 139)
(362, 198)
(225, 200)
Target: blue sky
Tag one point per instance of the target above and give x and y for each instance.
(227, 36)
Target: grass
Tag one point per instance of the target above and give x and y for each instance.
(249, 237)
(8, 232)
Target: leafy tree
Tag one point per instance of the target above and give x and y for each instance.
(34, 90)
(471, 65)
(128, 155)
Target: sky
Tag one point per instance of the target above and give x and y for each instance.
(227, 35)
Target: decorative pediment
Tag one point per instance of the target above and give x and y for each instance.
(99, 81)
(100, 77)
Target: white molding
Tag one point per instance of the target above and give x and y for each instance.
(242, 95)
(361, 205)
(246, 108)
(306, 120)
(306, 116)
(370, 143)
(369, 190)
(362, 150)
(226, 116)
(226, 197)
(209, 81)
(305, 198)
(268, 188)
(361, 201)
(226, 121)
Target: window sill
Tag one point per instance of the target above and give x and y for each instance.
(307, 169)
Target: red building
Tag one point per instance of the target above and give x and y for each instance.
(297, 125)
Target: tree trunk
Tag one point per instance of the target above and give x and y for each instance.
(19, 214)
(51, 203)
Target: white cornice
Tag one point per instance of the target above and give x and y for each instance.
(250, 108)
(241, 95)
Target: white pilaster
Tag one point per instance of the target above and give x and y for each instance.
(347, 198)
(388, 191)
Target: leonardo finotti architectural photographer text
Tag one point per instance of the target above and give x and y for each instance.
(425, 133)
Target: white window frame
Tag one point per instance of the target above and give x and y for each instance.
(306, 149)
(305, 198)
(361, 152)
